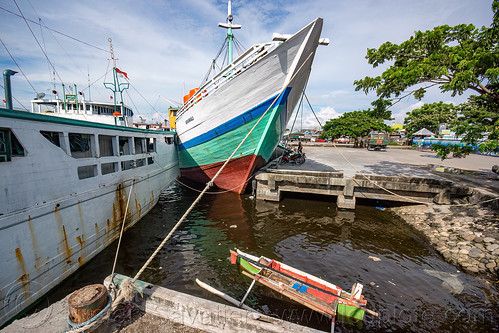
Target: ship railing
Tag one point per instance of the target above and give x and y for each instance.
(238, 66)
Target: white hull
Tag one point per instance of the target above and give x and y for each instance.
(258, 91)
(234, 92)
(54, 219)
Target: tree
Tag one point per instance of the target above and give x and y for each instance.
(354, 124)
(430, 116)
(455, 59)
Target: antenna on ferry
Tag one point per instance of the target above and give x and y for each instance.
(229, 26)
(88, 77)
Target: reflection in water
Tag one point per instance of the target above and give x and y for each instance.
(309, 235)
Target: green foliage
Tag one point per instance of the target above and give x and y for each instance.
(429, 116)
(354, 124)
(456, 150)
(455, 59)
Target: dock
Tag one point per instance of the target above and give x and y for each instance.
(163, 310)
(399, 175)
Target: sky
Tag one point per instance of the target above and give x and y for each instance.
(167, 46)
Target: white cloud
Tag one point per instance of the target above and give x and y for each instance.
(401, 114)
(164, 45)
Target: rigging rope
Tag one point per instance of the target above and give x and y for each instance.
(152, 107)
(2, 87)
(41, 48)
(19, 67)
(291, 131)
(312, 110)
(58, 32)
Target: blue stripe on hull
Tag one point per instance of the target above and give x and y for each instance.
(236, 122)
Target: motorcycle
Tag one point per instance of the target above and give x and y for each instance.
(291, 156)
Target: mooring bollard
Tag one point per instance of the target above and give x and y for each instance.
(85, 303)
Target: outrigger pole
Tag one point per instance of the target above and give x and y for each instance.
(116, 86)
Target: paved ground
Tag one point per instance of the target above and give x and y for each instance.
(398, 162)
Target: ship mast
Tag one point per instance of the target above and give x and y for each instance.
(229, 26)
(116, 86)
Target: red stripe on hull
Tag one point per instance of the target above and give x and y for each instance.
(233, 177)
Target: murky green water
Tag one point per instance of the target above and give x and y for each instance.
(312, 236)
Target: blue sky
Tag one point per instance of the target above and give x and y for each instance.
(167, 46)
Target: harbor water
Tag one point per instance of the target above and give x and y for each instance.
(404, 278)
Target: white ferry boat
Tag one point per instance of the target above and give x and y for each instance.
(71, 172)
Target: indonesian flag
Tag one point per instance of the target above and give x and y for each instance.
(121, 72)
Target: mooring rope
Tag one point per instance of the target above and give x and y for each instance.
(122, 228)
(381, 187)
(210, 183)
(113, 302)
(399, 195)
(127, 289)
(217, 192)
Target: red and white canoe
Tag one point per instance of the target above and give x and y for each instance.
(304, 288)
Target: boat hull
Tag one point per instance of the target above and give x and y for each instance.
(54, 220)
(302, 287)
(234, 176)
(253, 107)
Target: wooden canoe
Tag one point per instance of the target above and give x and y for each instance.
(306, 289)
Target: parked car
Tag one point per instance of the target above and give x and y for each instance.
(341, 140)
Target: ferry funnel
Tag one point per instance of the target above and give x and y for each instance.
(6, 83)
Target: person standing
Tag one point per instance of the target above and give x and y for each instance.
(300, 148)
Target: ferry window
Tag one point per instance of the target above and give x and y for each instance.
(109, 168)
(53, 137)
(87, 107)
(151, 145)
(125, 148)
(140, 162)
(17, 148)
(81, 145)
(4, 145)
(168, 140)
(125, 165)
(87, 171)
(150, 160)
(139, 147)
(106, 145)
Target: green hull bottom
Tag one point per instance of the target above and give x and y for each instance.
(350, 312)
(261, 142)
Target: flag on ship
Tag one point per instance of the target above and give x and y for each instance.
(121, 72)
